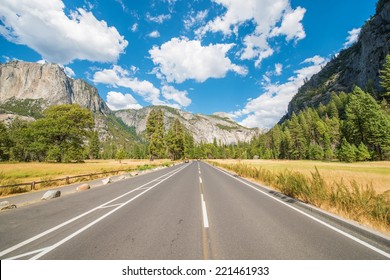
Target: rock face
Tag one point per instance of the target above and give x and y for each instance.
(48, 83)
(204, 128)
(26, 89)
(358, 65)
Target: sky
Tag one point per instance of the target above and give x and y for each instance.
(246, 58)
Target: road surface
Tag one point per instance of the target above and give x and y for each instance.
(189, 211)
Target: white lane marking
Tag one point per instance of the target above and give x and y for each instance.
(200, 180)
(27, 254)
(17, 246)
(204, 212)
(383, 253)
(47, 250)
(109, 206)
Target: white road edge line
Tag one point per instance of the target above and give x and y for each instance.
(17, 246)
(379, 251)
(204, 212)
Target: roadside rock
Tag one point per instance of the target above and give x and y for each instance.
(83, 187)
(51, 194)
(106, 181)
(6, 205)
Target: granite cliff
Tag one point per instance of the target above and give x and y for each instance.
(204, 128)
(26, 89)
(357, 65)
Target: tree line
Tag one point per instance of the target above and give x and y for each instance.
(350, 127)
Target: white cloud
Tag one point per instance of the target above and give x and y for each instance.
(119, 77)
(119, 101)
(154, 34)
(352, 37)
(43, 26)
(158, 19)
(69, 72)
(270, 17)
(291, 25)
(195, 20)
(180, 97)
(267, 109)
(181, 59)
(134, 27)
(278, 69)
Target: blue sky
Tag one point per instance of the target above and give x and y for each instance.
(245, 58)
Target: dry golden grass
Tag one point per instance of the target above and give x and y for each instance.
(364, 173)
(360, 191)
(14, 173)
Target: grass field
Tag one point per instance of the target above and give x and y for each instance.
(376, 174)
(15, 173)
(359, 191)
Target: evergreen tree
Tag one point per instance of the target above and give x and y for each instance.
(366, 123)
(299, 147)
(175, 140)
(155, 133)
(347, 152)
(120, 155)
(5, 143)
(94, 146)
(362, 153)
(385, 78)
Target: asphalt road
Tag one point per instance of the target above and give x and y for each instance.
(189, 211)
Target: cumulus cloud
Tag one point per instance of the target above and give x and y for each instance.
(154, 34)
(181, 59)
(267, 109)
(180, 97)
(118, 101)
(270, 17)
(120, 77)
(352, 37)
(43, 26)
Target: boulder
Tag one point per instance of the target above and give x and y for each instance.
(83, 187)
(106, 181)
(6, 205)
(51, 194)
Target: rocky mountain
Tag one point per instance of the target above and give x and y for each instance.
(357, 65)
(204, 128)
(46, 84)
(26, 89)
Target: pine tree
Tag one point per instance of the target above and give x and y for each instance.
(155, 133)
(347, 152)
(385, 77)
(362, 153)
(175, 140)
(94, 146)
(299, 147)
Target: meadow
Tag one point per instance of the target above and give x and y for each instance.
(357, 191)
(376, 173)
(15, 173)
